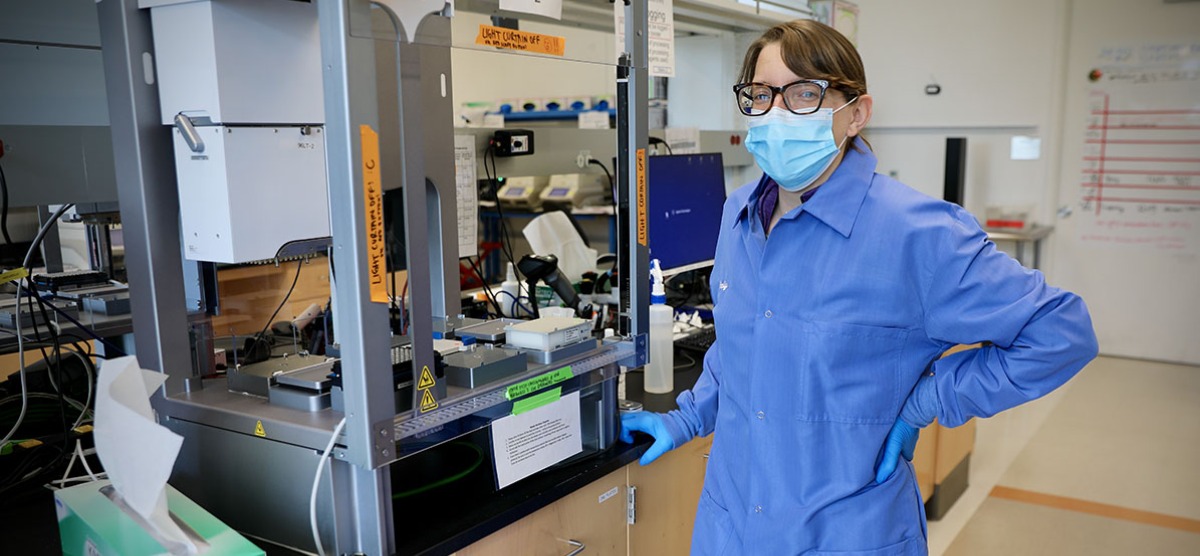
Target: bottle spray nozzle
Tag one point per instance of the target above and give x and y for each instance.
(658, 291)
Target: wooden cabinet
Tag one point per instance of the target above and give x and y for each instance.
(666, 497)
(940, 451)
(942, 460)
(667, 492)
(594, 516)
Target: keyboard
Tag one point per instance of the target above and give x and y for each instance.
(71, 279)
(699, 340)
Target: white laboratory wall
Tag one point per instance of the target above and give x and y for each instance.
(999, 65)
(700, 94)
(481, 75)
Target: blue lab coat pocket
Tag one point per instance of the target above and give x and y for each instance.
(713, 530)
(908, 547)
(850, 373)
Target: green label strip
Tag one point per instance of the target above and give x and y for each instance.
(534, 402)
(536, 383)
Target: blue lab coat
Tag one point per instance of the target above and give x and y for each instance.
(823, 329)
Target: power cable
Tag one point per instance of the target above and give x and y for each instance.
(260, 337)
(487, 290)
(17, 312)
(493, 176)
(612, 185)
(312, 501)
(4, 205)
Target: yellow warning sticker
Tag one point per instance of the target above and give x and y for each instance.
(373, 200)
(513, 39)
(14, 274)
(427, 401)
(642, 208)
(259, 430)
(427, 380)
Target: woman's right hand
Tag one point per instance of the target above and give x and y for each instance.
(651, 424)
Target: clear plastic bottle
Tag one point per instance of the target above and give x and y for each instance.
(509, 304)
(660, 371)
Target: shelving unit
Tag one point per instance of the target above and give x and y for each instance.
(412, 113)
(224, 432)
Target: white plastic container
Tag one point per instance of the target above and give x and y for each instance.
(660, 371)
(510, 305)
(548, 333)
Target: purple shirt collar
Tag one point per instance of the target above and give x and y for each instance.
(769, 199)
(838, 207)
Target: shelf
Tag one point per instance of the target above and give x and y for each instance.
(1034, 233)
(547, 115)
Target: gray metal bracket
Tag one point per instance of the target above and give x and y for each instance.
(410, 13)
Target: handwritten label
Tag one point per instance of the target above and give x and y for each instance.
(534, 402)
(513, 39)
(641, 198)
(373, 201)
(537, 383)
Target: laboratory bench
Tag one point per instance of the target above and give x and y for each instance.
(585, 501)
(1033, 235)
(549, 516)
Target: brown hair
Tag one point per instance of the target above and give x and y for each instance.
(812, 50)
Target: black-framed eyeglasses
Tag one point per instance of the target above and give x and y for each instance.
(799, 97)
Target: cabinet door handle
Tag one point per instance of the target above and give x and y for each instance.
(705, 456)
(190, 135)
(579, 547)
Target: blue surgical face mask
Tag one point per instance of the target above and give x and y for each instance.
(794, 150)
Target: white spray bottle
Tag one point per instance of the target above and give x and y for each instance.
(660, 371)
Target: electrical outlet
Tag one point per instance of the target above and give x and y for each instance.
(583, 158)
(513, 142)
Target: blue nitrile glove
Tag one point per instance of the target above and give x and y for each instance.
(919, 410)
(651, 424)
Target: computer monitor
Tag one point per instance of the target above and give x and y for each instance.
(685, 195)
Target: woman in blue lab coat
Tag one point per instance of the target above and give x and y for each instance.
(835, 291)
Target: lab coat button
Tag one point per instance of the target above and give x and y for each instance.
(761, 415)
(768, 313)
(758, 509)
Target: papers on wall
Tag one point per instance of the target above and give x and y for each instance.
(683, 140)
(525, 443)
(662, 35)
(1026, 148)
(467, 190)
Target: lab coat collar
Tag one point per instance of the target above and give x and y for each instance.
(838, 202)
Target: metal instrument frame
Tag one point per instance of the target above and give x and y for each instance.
(355, 496)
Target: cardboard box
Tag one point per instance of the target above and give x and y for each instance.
(91, 524)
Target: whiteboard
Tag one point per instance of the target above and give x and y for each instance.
(1130, 175)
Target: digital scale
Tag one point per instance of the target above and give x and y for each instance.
(522, 192)
(575, 190)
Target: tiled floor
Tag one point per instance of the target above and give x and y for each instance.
(1105, 465)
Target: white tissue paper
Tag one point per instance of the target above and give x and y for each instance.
(136, 451)
(552, 233)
